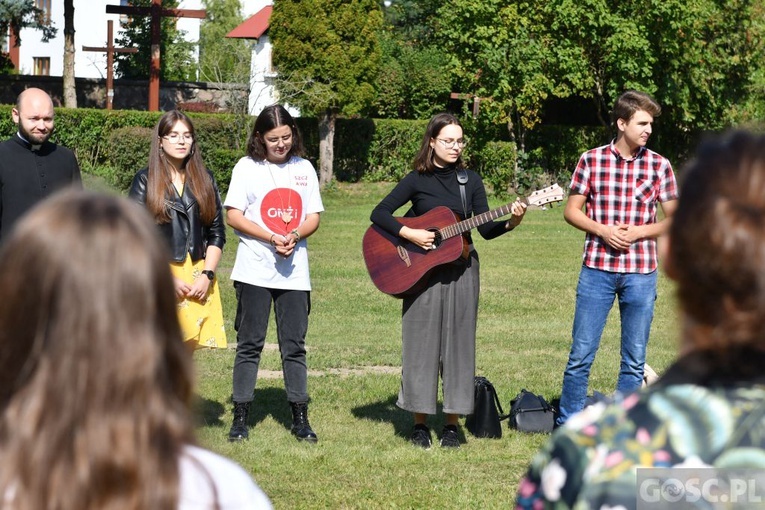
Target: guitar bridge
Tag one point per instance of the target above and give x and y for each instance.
(404, 255)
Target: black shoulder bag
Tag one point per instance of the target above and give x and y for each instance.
(485, 420)
(531, 413)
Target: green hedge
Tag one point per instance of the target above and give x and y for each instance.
(126, 151)
(555, 150)
(376, 150)
(497, 166)
(115, 144)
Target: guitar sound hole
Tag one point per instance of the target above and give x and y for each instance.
(437, 240)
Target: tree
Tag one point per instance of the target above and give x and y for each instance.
(412, 20)
(177, 63)
(415, 79)
(18, 14)
(222, 59)
(699, 58)
(414, 83)
(498, 52)
(328, 59)
(70, 91)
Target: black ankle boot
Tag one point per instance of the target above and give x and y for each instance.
(300, 426)
(238, 430)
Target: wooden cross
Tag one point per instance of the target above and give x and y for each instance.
(110, 51)
(476, 100)
(157, 13)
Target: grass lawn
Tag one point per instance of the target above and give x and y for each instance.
(363, 458)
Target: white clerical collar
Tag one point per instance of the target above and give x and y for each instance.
(31, 145)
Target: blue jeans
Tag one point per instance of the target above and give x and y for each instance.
(594, 298)
(252, 312)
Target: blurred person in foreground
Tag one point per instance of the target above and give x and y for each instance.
(96, 382)
(707, 410)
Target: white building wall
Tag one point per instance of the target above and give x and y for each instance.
(90, 26)
(262, 92)
(32, 46)
(262, 75)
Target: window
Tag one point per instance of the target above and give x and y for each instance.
(42, 66)
(44, 6)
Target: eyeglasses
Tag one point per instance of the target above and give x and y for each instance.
(450, 144)
(176, 137)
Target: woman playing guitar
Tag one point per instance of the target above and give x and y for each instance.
(439, 319)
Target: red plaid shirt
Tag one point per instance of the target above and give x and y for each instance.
(626, 191)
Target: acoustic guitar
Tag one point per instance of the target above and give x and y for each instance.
(399, 267)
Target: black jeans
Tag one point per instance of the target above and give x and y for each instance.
(252, 312)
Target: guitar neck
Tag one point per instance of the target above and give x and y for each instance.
(474, 222)
(540, 197)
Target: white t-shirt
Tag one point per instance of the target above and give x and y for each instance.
(234, 487)
(267, 194)
(200, 470)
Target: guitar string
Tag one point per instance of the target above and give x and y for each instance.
(471, 223)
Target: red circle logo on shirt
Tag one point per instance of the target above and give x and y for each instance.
(278, 204)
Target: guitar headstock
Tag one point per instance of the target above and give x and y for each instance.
(548, 195)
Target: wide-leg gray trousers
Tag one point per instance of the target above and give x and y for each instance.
(438, 332)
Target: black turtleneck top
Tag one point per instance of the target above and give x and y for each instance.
(439, 188)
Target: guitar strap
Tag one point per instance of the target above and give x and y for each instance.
(462, 179)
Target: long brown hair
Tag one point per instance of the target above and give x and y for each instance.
(423, 161)
(717, 244)
(160, 180)
(95, 382)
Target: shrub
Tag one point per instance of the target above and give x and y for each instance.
(555, 150)
(114, 144)
(127, 150)
(352, 151)
(7, 127)
(497, 166)
(392, 149)
(220, 162)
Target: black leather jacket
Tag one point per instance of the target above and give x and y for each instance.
(185, 232)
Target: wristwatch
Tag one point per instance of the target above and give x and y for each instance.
(209, 274)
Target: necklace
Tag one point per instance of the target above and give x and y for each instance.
(286, 213)
(177, 177)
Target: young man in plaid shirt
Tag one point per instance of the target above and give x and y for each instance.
(619, 185)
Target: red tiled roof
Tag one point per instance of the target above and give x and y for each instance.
(254, 26)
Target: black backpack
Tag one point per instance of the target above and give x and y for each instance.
(485, 420)
(531, 413)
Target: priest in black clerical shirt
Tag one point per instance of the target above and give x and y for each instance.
(31, 167)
